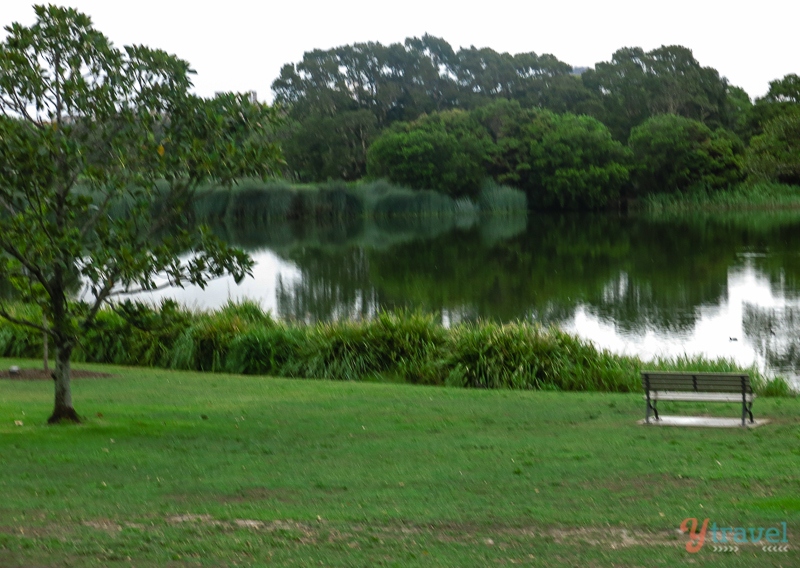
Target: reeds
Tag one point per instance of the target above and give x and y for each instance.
(501, 199)
(255, 201)
(759, 195)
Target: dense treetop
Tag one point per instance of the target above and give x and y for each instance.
(402, 81)
(387, 111)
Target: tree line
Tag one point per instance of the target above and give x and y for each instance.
(423, 114)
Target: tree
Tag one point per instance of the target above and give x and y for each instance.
(86, 130)
(782, 98)
(636, 85)
(575, 163)
(738, 108)
(775, 154)
(323, 147)
(786, 90)
(445, 152)
(331, 91)
(672, 154)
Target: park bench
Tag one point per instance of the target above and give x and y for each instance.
(697, 387)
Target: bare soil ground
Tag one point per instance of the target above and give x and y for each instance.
(40, 375)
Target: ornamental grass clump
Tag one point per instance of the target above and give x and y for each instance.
(204, 345)
(525, 356)
(407, 343)
(338, 351)
(267, 350)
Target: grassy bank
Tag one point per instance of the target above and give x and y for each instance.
(764, 195)
(176, 468)
(393, 347)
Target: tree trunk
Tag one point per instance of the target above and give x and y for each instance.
(63, 411)
(46, 353)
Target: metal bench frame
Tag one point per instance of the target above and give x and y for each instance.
(697, 387)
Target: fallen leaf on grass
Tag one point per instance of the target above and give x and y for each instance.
(17, 422)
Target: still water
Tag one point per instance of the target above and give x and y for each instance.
(722, 285)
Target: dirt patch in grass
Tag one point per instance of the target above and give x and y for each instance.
(104, 525)
(40, 375)
(466, 533)
(24, 531)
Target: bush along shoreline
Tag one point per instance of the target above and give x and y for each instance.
(400, 346)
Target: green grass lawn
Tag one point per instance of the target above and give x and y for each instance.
(317, 473)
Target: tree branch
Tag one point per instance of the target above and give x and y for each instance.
(8, 206)
(93, 219)
(127, 292)
(34, 270)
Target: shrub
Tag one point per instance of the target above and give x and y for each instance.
(575, 163)
(445, 152)
(204, 345)
(266, 351)
(524, 356)
(671, 154)
(775, 154)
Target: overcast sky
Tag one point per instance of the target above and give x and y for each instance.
(236, 45)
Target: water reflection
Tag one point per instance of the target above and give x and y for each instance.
(773, 332)
(721, 285)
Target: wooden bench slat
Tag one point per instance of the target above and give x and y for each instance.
(691, 374)
(699, 383)
(700, 388)
(698, 397)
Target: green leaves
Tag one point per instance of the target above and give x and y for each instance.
(776, 153)
(560, 161)
(575, 164)
(673, 153)
(636, 85)
(90, 136)
(445, 152)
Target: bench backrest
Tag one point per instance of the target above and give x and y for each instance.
(696, 382)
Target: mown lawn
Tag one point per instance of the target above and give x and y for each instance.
(315, 473)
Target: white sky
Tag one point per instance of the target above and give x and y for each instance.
(235, 45)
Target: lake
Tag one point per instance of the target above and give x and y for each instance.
(721, 285)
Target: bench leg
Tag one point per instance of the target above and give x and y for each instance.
(750, 411)
(651, 405)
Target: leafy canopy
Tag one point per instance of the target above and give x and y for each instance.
(673, 154)
(775, 154)
(445, 152)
